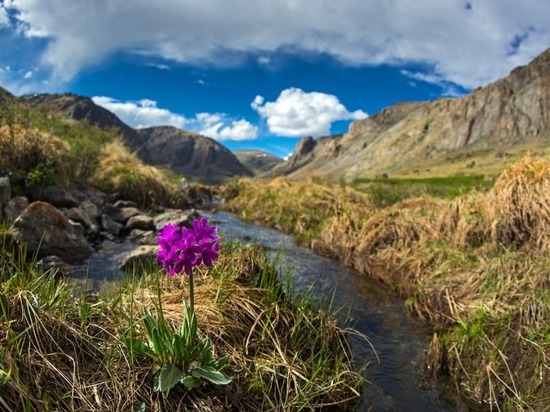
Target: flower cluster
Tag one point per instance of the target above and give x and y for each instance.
(182, 248)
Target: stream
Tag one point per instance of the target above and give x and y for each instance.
(396, 342)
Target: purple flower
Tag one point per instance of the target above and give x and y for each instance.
(182, 248)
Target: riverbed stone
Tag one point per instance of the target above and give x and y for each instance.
(109, 225)
(77, 214)
(175, 216)
(15, 207)
(142, 222)
(5, 192)
(139, 259)
(46, 231)
(56, 196)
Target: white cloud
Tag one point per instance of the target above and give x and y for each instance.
(297, 113)
(145, 113)
(467, 43)
(218, 126)
(4, 18)
(159, 66)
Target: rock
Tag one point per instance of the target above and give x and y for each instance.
(4, 192)
(175, 216)
(108, 224)
(125, 203)
(80, 216)
(56, 196)
(140, 222)
(54, 264)
(120, 215)
(139, 259)
(46, 231)
(15, 207)
(91, 209)
(143, 237)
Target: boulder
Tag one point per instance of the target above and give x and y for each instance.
(139, 259)
(4, 192)
(110, 226)
(56, 196)
(121, 215)
(46, 231)
(142, 222)
(79, 215)
(175, 216)
(15, 207)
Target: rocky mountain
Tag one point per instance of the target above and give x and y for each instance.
(190, 154)
(197, 157)
(508, 113)
(257, 161)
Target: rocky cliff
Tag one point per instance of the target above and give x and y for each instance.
(509, 112)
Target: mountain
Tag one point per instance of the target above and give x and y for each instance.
(196, 157)
(257, 161)
(5, 95)
(190, 154)
(505, 115)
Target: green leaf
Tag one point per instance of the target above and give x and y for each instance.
(140, 347)
(168, 376)
(181, 354)
(211, 374)
(140, 407)
(217, 364)
(191, 382)
(158, 345)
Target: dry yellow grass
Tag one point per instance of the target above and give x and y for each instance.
(476, 267)
(121, 171)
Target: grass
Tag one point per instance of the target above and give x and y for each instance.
(474, 266)
(65, 351)
(386, 192)
(38, 150)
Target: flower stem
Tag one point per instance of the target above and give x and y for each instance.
(191, 293)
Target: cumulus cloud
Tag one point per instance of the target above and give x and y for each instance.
(297, 113)
(468, 43)
(218, 126)
(145, 113)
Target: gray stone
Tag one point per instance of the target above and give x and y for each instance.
(4, 192)
(79, 215)
(109, 225)
(56, 196)
(175, 216)
(125, 203)
(118, 214)
(46, 231)
(91, 209)
(140, 222)
(138, 259)
(15, 207)
(55, 265)
(143, 237)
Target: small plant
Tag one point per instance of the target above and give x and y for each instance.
(182, 357)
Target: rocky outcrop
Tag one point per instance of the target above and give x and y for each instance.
(509, 112)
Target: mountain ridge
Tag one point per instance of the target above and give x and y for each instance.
(509, 112)
(198, 157)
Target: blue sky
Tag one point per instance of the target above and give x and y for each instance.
(261, 74)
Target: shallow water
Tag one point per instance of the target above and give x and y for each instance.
(396, 340)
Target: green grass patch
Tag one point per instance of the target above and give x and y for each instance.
(386, 192)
